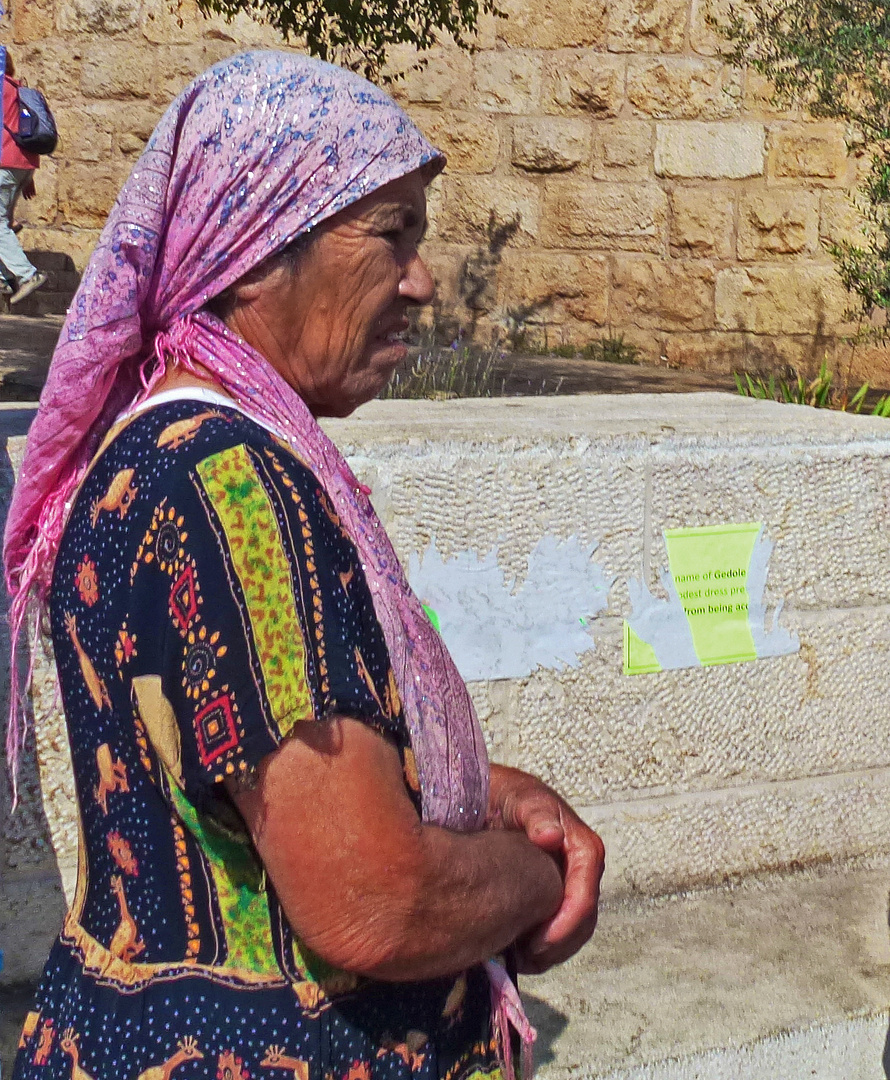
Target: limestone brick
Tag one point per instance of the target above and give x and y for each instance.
(548, 284)
(130, 134)
(702, 222)
(472, 206)
(775, 223)
(444, 262)
(42, 209)
(508, 82)
(434, 197)
(87, 192)
(584, 81)
(85, 132)
(53, 68)
(487, 29)
(654, 26)
(77, 243)
(98, 16)
(445, 78)
(470, 142)
(648, 343)
(758, 99)
(781, 300)
(683, 88)
(126, 70)
(655, 294)
(840, 219)
(163, 24)
(815, 152)
(726, 352)
(623, 150)
(550, 144)
(182, 23)
(703, 38)
(869, 362)
(32, 20)
(715, 151)
(551, 24)
(629, 217)
(708, 350)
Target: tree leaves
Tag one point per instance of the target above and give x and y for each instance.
(359, 33)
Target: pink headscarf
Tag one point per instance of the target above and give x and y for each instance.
(256, 151)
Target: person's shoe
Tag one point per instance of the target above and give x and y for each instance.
(27, 287)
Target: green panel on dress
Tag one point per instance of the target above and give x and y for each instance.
(240, 891)
(245, 511)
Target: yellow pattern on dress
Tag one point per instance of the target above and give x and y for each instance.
(258, 554)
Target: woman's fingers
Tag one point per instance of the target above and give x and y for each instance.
(542, 824)
(525, 804)
(575, 921)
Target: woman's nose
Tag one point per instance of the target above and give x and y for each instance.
(417, 282)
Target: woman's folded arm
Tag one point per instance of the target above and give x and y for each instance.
(369, 887)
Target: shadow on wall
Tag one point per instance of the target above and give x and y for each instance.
(476, 293)
(32, 905)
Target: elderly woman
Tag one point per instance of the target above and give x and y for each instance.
(294, 854)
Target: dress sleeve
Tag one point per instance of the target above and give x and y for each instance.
(250, 603)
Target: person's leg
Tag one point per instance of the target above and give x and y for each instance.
(14, 263)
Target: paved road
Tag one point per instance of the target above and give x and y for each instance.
(26, 345)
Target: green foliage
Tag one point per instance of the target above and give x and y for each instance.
(612, 350)
(819, 393)
(359, 33)
(833, 58)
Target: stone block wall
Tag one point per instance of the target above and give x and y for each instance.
(608, 173)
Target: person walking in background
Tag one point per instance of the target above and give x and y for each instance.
(18, 276)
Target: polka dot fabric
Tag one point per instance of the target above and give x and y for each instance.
(206, 600)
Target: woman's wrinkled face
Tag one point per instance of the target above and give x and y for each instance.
(333, 326)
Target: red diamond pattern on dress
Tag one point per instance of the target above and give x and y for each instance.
(184, 598)
(216, 730)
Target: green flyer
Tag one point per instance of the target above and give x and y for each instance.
(706, 618)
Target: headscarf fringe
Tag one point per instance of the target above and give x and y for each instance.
(29, 585)
(506, 1013)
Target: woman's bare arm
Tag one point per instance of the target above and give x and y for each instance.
(367, 885)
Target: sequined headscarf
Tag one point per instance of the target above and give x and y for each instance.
(253, 154)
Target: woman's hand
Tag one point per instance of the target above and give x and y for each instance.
(522, 802)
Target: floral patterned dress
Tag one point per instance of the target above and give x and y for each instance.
(205, 601)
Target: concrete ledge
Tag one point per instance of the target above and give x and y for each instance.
(779, 977)
(700, 774)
